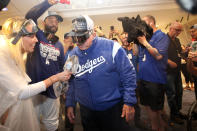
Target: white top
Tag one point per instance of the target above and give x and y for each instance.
(15, 95)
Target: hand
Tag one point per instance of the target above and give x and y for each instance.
(172, 64)
(189, 62)
(64, 76)
(142, 40)
(187, 49)
(128, 112)
(96, 28)
(70, 114)
(52, 2)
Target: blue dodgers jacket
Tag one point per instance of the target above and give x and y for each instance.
(105, 77)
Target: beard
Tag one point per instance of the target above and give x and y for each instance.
(51, 29)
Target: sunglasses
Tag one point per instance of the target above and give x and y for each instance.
(81, 39)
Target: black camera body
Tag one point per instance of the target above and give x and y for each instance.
(3, 3)
(192, 8)
(136, 27)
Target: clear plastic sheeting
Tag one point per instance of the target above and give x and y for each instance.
(71, 64)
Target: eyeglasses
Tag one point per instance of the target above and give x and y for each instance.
(178, 30)
(25, 32)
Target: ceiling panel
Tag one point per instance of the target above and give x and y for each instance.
(103, 9)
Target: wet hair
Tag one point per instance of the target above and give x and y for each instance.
(11, 27)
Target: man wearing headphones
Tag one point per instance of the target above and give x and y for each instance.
(105, 83)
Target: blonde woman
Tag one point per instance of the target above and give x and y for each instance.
(16, 108)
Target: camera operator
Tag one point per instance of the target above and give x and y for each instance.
(152, 73)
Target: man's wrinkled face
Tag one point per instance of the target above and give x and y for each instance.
(51, 24)
(176, 30)
(85, 43)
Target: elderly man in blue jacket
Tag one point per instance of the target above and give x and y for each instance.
(105, 82)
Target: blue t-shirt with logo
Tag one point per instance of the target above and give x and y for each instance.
(46, 60)
(150, 69)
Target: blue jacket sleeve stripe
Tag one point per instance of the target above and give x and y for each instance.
(116, 47)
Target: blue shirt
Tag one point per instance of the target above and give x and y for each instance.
(133, 58)
(150, 69)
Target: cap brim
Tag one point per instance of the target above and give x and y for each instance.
(72, 33)
(59, 18)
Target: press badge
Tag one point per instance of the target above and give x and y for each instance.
(129, 56)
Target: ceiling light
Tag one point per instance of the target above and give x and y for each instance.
(4, 9)
(99, 1)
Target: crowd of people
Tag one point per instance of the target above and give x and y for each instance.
(113, 76)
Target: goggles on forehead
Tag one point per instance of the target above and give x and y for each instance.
(24, 31)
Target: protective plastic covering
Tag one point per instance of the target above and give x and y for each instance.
(71, 64)
(21, 116)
